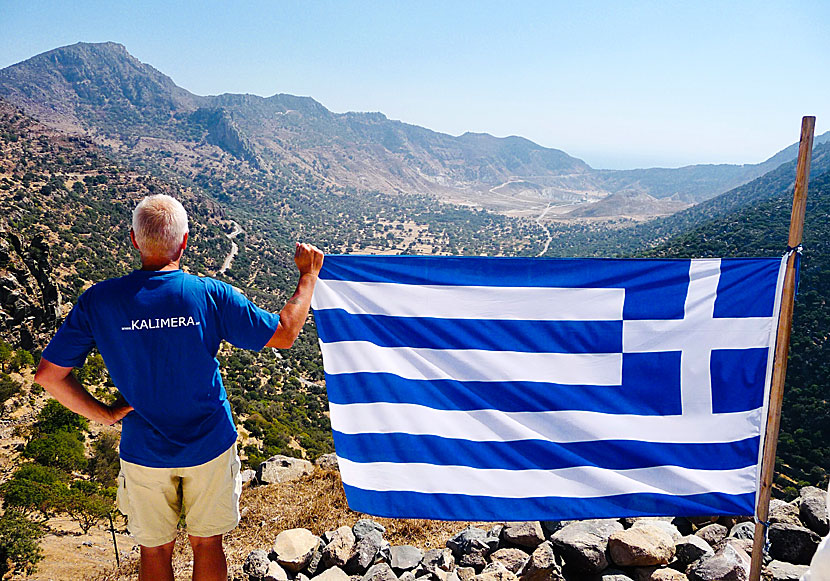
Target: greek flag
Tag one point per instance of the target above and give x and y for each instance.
(474, 388)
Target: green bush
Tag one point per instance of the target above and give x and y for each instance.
(5, 354)
(35, 489)
(62, 449)
(55, 417)
(20, 360)
(8, 387)
(19, 543)
(104, 464)
(86, 504)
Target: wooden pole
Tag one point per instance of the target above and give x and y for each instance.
(782, 346)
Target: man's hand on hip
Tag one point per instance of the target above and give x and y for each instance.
(118, 409)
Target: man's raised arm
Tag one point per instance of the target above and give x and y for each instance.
(309, 261)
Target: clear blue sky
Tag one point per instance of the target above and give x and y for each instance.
(618, 84)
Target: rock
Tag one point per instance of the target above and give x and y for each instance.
(743, 530)
(544, 565)
(407, 576)
(315, 564)
(525, 534)
(294, 548)
(340, 547)
(275, 573)
(436, 560)
(691, 548)
(728, 564)
(333, 574)
(731, 521)
(495, 532)
(366, 552)
(683, 525)
(365, 526)
(465, 573)
(713, 534)
(380, 572)
(583, 544)
(327, 462)
(496, 572)
(744, 545)
(781, 571)
(647, 544)
(791, 543)
(302, 577)
(30, 303)
(280, 468)
(630, 521)
(659, 574)
(256, 564)
(406, 557)
(783, 512)
(551, 526)
(611, 575)
(813, 510)
(514, 560)
(472, 546)
(663, 525)
(248, 477)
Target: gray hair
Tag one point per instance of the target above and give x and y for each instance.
(159, 225)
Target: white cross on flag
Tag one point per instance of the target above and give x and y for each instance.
(471, 388)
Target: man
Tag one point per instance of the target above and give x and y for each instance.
(158, 330)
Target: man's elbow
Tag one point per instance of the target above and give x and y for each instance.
(281, 343)
(41, 375)
(47, 373)
(281, 340)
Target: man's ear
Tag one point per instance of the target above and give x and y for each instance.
(132, 239)
(184, 241)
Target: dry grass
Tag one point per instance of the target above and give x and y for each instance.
(315, 502)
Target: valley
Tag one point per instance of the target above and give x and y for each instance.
(88, 130)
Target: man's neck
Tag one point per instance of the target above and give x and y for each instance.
(163, 265)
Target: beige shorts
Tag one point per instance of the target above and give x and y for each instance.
(153, 499)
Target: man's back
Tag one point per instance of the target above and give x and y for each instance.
(158, 332)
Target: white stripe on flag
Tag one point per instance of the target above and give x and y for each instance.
(555, 426)
(470, 302)
(711, 333)
(473, 364)
(579, 482)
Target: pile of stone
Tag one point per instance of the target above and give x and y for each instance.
(638, 549)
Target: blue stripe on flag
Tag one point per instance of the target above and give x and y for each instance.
(651, 380)
(404, 504)
(654, 289)
(542, 454)
(491, 335)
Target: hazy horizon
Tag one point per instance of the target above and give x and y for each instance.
(620, 86)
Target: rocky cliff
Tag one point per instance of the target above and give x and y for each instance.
(30, 303)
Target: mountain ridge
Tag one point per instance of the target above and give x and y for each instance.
(103, 90)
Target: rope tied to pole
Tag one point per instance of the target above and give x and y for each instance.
(764, 524)
(798, 251)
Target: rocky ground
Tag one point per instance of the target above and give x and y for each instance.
(296, 526)
(641, 549)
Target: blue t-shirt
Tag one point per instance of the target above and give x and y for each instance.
(158, 332)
